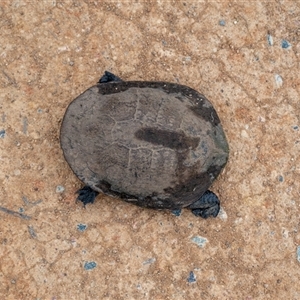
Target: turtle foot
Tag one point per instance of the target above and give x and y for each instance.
(109, 77)
(208, 205)
(86, 195)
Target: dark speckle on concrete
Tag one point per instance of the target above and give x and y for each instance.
(192, 277)
(21, 210)
(90, 265)
(25, 125)
(32, 232)
(222, 23)
(14, 213)
(81, 227)
(295, 127)
(176, 212)
(285, 44)
(27, 202)
(2, 134)
(280, 178)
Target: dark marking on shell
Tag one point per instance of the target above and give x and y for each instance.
(194, 187)
(207, 113)
(165, 138)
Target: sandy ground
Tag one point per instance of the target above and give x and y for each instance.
(244, 56)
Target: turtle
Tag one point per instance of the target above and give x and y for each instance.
(155, 144)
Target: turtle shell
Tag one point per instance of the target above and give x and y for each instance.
(154, 144)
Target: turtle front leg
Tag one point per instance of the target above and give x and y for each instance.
(109, 77)
(208, 205)
(86, 195)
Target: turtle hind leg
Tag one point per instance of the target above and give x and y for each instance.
(208, 205)
(86, 195)
(109, 77)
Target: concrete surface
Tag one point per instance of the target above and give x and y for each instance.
(244, 56)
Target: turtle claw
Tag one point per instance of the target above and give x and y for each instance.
(206, 213)
(208, 205)
(86, 195)
(109, 77)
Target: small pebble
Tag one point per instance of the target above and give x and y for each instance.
(149, 261)
(200, 241)
(279, 80)
(81, 227)
(192, 277)
(176, 212)
(222, 23)
(244, 134)
(60, 189)
(295, 127)
(280, 178)
(21, 210)
(298, 253)
(285, 44)
(90, 265)
(17, 172)
(222, 214)
(2, 134)
(270, 40)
